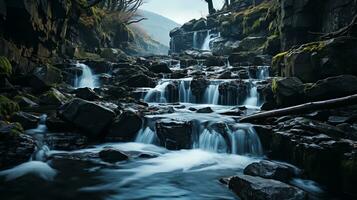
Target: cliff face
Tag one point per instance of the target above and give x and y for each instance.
(301, 21)
(33, 31)
(281, 23)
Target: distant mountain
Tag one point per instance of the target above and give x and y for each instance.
(157, 27)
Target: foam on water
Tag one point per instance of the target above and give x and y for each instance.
(87, 79)
(38, 168)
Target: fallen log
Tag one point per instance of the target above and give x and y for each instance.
(303, 108)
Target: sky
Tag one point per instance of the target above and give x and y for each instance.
(180, 11)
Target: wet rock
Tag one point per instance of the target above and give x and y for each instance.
(15, 147)
(66, 141)
(160, 68)
(250, 187)
(140, 80)
(288, 91)
(93, 119)
(44, 77)
(270, 170)
(55, 124)
(124, 127)
(205, 110)
(25, 102)
(53, 97)
(27, 120)
(174, 135)
(233, 92)
(112, 155)
(225, 75)
(86, 94)
(198, 86)
(215, 61)
(7, 107)
(251, 43)
(243, 74)
(332, 87)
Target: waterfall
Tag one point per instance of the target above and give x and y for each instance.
(146, 136)
(207, 41)
(185, 93)
(263, 72)
(252, 99)
(212, 94)
(212, 141)
(194, 40)
(87, 79)
(245, 141)
(157, 94)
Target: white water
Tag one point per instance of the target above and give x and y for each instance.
(158, 94)
(87, 79)
(146, 136)
(209, 38)
(38, 168)
(185, 93)
(252, 99)
(245, 141)
(194, 40)
(212, 141)
(263, 72)
(211, 95)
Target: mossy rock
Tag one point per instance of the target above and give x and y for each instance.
(5, 66)
(53, 97)
(7, 107)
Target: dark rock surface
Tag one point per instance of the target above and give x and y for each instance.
(174, 135)
(124, 127)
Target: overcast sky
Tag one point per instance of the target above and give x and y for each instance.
(180, 11)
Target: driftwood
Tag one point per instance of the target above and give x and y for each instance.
(303, 108)
(348, 30)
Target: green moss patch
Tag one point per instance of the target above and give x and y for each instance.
(5, 66)
(7, 106)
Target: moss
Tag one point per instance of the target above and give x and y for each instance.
(274, 86)
(278, 58)
(80, 54)
(5, 66)
(7, 106)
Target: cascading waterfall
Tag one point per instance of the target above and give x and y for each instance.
(194, 40)
(263, 72)
(87, 79)
(212, 141)
(212, 94)
(146, 136)
(185, 93)
(157, 94)
(209, 38)
(252, 99)
(245, 140)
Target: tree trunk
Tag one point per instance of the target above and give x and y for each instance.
(303, 108)
(211, 9)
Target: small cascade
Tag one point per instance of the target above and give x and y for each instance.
(206, 43)
(212, 141)
(146, 136)
(195, 40)
(39, 133)
(212, 94)
(87, 79)
(185, 93)
(245, 140)
(252, 99)
(263, 72)
(157, 94)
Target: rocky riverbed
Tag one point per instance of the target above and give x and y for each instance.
(98, 123)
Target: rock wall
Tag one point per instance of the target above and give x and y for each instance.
(301, 21)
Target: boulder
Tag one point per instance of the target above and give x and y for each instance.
(288, 91)
(55, 124)
(93, 119)
(44, 78)
(251, 43)
(198, 86)
(243, 74)
(140, 80)
(15, 147)
(174, 135)
(86, 94)
(205, 110)
(257, 188)
(124, 127)
(7, 106)
(27, 120)
(53, 97)
(199, 25)
(160, 68)
(25, 102)
(66, 141)
(318, 60)
(270, 170)
(215, 61)
(112, 155)
(225, 75)
(332, 87)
